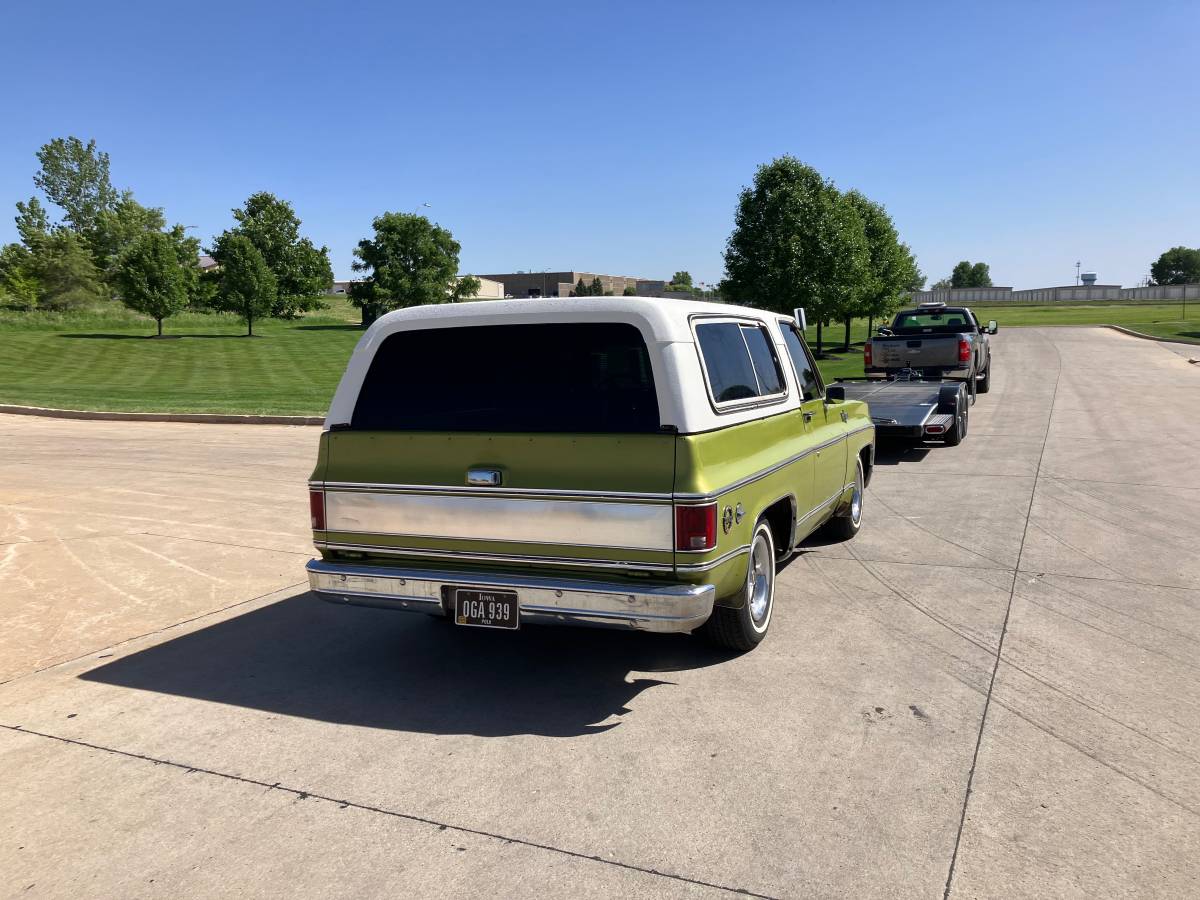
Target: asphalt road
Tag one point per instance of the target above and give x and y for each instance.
(990, 692)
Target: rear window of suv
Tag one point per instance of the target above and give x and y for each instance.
(576, 377)
(739, 361)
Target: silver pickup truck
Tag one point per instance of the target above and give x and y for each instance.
(934, 339)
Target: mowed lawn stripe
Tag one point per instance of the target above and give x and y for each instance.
(104, 359)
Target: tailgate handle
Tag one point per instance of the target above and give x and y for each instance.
(484, 477)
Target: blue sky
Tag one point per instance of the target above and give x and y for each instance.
(614, 137)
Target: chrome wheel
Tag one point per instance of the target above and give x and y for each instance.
(760, 579)
(856, 499)
(744, 626)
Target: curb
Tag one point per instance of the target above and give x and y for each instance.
(1150, 337)
(201, 418)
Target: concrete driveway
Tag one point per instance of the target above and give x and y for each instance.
(991, 692)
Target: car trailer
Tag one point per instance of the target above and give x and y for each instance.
(911, 406)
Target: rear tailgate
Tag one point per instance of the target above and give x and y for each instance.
(903, 351)
(509, 445)
(561, 497)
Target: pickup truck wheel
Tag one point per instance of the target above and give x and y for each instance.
(983, 383)
(846, 523)
(744, 628)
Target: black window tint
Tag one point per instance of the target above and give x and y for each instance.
(806, 376)
(730, 372)
(770, 379)
(577, 377)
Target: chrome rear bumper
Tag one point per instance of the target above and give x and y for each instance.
(662, 608)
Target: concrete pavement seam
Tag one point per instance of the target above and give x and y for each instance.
(365, 807)
(176, 537)
(987, 702)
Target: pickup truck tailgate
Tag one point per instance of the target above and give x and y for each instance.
(901, 351)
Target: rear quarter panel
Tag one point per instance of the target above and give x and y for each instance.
(711, 465)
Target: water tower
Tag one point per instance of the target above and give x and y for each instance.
(1088, 278)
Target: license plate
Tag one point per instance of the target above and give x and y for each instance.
(487, 609)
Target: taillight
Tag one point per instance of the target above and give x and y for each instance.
(316, 509)
(964, 350)
(696, 527)
(867, 353)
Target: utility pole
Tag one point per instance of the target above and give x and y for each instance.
(1077, 264)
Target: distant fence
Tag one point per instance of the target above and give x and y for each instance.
(1069, 293)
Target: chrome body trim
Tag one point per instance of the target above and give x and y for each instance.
(541, 521)
(713, 563)
(727, 406)
(763, 473)
(475, 491)
(660, 608)
(466, 556)
(548, 493)
(822, 506)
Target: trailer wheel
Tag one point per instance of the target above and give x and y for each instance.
(954, 401)
(955, 436)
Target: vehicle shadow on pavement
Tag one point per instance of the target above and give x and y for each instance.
(407, 672)
(894, 452)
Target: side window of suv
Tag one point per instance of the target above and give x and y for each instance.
(739, 361)
(805, 368)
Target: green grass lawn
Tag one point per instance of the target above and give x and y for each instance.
(103, 359)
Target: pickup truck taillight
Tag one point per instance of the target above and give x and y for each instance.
(964, 350)
(867, 353)
(316, 509)
(696, 527)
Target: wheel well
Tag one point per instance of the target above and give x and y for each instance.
(867, 455)
(781, 516)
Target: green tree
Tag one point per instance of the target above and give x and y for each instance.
(409, 262)
(630, 291)
(942, 284)
(682, 280)
(597, 289)
(580, 289)
(119, 226)
(248, 286)
(32, 223)
(918, 281)
(187, 251)
(66, 276)
(18, 284)
(968, 275)
(891, 269)
(795, 243)
(151, 279)
(1179, 265)
(302, 270)
(74, 176)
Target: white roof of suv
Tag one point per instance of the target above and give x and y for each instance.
(666, 326)
(663, 319)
